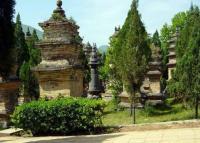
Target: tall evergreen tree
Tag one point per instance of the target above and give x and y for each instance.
(6, 37)
(178, 21)
(22, 54)
(30, 83)
(186, 78)
(131, 52)
(35, 36)
(186, 31)
(156, 39)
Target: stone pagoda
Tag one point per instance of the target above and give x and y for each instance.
(172, 54)
(94, 86)
(60, 73)
(151, 88)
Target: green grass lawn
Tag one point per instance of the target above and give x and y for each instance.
(150, 115)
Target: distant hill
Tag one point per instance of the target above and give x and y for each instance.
(39, 33)
(103, 48)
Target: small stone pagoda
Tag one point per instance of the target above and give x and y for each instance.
(60, 73)
(151, 87)
(172, 54)
(94, 86)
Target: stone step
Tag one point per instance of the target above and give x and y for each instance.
(9, 132)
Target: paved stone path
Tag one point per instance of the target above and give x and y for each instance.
(184, 135)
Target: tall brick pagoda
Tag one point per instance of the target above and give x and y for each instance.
(172, 54)
(60, 73)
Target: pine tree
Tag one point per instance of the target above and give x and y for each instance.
(6, 37)
(131, 52)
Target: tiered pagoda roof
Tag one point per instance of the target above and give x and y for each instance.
(172, 49)
(155, 64)
(59, 31)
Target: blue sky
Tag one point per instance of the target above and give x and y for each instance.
(97, 18)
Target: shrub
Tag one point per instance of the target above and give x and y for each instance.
(60, 116)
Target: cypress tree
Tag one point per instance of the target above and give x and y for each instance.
(20, 43)
(6, 37)
(156, 39)
(186, 31)
(186, 78)
(30, 83)
(35, 36)
(132, 52)
(187, 72)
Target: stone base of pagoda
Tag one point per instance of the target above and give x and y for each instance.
(170, 71)
(8, 101)
(155, 87)
(125, 100)
(151, 90)
(60, 83)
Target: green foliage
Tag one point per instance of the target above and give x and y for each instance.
(22, 54)
(6, 37)
(165, 36)
(57, 17)
(60, 116)
(103, 70)
(151, 114)
(178, 21)
(86, 67)
(186, 78)
(130, 50)
(30, 83)
(186, 31)
(156, 39)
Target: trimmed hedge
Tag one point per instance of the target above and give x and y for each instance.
(60, 116)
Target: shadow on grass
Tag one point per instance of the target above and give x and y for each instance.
(77, 139)
(163, 109)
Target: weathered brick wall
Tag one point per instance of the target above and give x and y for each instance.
(8, 100)
(61, 83)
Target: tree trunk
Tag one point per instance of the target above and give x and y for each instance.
(131, 114)
(134, 117)
(134, 108)
(197, 108)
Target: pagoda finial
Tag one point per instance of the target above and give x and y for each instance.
(58, 13)
(59, 3)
